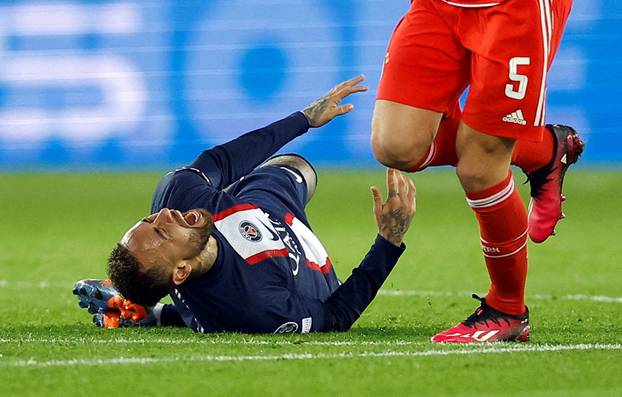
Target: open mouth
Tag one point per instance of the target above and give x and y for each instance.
(191, 217)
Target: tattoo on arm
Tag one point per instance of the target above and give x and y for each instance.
(315, 110)
(397, 224)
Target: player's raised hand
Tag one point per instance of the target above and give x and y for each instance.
(328, 107)
(394, 216)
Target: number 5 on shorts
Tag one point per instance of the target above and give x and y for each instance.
(521, 79)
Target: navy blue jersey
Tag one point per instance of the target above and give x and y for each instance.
(272, 274)
(267, 256)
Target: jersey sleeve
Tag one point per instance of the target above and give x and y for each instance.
(226, 163)
(347, 303)
(278, 310)
(185, 189)
(200, 183)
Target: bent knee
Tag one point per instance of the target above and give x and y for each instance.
(299, 163)
(401, 135)
(400, 148)
(471, 176)
(484, 160)
(475, 177)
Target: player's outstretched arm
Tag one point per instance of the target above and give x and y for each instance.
(329, 106)
(228, 162)
(393, 217)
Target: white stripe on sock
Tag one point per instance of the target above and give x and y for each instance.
(494, 199)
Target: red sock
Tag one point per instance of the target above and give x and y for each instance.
(443, 149)
(425, 160)
(445, 141)
(503, 230)
(530, 156)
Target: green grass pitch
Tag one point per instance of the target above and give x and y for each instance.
(58, 228)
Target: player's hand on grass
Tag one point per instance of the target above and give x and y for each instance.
(328, 107)
(394, 216)
(124, 313)
(117, 319)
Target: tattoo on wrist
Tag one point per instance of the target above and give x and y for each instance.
(396, 224)
(315, 110)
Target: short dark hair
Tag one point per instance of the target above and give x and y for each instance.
(143, 287)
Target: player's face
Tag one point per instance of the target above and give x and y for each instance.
(168, 237)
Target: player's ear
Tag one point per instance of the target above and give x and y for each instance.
(181, 272)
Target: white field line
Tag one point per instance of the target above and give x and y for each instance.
(205, 341)
(34, 284)
(305, 356)
(546, 297)
(417, 293)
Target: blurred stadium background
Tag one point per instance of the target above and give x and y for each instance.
(144, 84)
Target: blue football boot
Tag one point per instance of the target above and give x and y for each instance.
(95, 295)
(110, 310)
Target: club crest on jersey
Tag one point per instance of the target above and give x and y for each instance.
(249, 231)
(287, 328)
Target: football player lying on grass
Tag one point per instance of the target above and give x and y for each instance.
(246, 259)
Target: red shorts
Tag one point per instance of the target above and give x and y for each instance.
(501, 52)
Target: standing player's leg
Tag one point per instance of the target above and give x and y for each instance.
(398, 147)
(545, 163)
(419, 88)
(402, 135)
(483, 170)
(561, 147)
(506, 103)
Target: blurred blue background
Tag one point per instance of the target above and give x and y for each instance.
(92, 84)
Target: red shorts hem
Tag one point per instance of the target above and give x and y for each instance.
(412, 103)
(520, 133)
